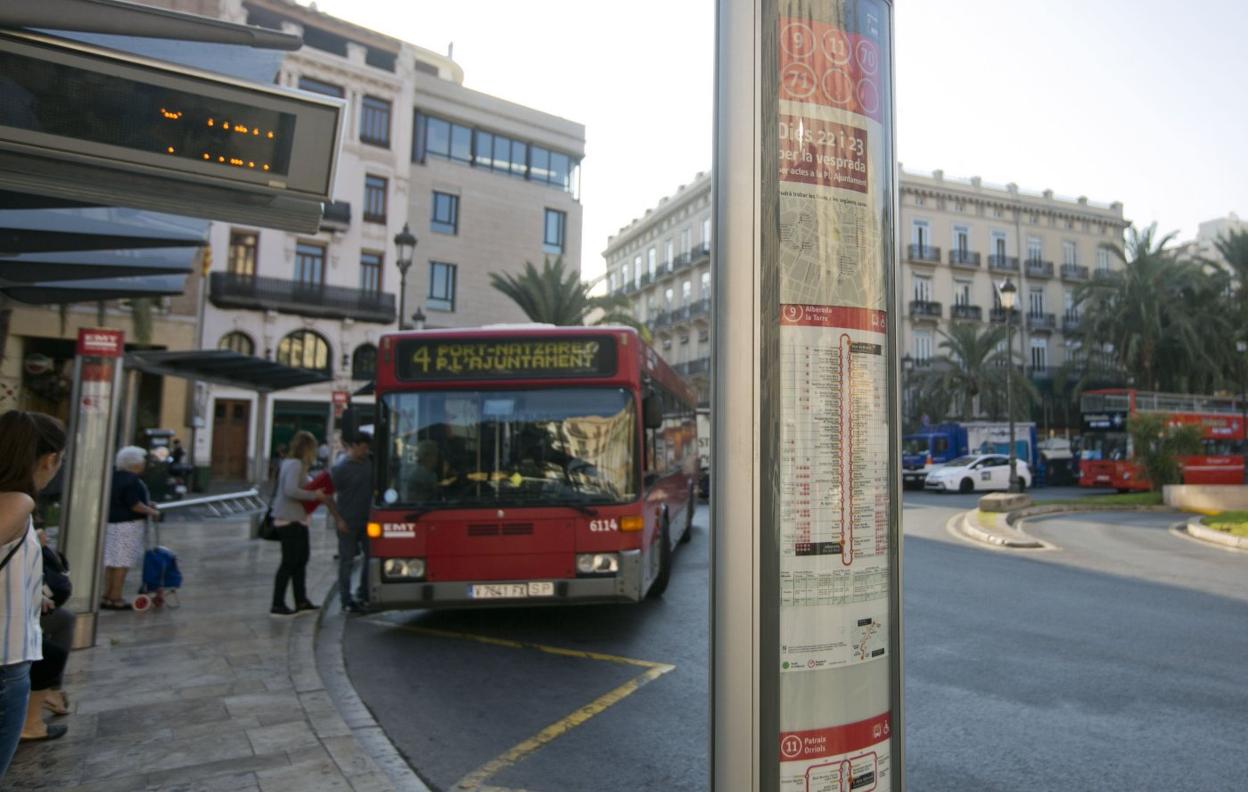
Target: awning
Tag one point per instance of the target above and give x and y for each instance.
(56, 253)
(225, 367)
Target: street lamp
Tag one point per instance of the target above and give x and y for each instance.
(419, 318)
(405, 242)
(907, 370)
(1009, 295)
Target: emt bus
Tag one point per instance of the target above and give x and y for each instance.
(526, 465)
(1105, 459)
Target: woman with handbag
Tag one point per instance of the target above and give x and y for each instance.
(291, 521)
(31, 447)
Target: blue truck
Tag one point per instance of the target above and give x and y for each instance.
(935, 445)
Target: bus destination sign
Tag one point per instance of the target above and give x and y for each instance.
(420, 359)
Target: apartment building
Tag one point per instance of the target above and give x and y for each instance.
(960, 240)
(483, 184)
(662, 263)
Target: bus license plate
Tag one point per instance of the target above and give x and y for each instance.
(511, 590)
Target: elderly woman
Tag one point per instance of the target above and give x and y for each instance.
(123, 540)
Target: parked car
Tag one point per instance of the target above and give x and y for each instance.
(977, 472)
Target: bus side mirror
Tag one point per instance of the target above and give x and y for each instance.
(652, 411)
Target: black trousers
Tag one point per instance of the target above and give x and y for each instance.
(46, 673)
(294, 566)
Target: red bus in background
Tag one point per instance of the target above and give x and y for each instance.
(1105, 456)
(525, 465)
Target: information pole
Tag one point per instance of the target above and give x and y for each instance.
(89, 470)
(806, 583)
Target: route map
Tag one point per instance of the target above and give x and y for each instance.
(835, 174)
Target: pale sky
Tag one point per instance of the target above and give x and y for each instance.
(1140, 101)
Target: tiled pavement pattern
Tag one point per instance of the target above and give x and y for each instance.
(216, 694)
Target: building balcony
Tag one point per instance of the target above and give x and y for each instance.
(1003, 263)
(644, 281)
(967, 313)
(693, 368)
(1071, 272)
(227, 290)
(1038, 268)
(629, 287)
(700, 308)
(964, 258)
(336, 216)
(699, 252)
(998, 315)
(1041, 322)
(680, 262)
(1071, 323)
(1102, 274)
(923, 253)
(1040, 372)
(925, 310)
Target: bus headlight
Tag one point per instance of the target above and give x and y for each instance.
(403, 568)
(597, 563)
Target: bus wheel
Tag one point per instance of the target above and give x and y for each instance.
(967, 486)
(665, 561)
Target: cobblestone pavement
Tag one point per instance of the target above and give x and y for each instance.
(216, 694)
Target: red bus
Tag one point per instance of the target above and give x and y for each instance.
(1105, 455)
(525, 465)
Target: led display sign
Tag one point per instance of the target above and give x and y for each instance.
(505, 358)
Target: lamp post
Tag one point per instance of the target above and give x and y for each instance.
(907, 371)
(1009, 294)
(405, 243)
(419, 318)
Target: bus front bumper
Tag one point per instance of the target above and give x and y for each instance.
(625, 586)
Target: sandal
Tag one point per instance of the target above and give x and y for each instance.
(52, 732)
(57, 707)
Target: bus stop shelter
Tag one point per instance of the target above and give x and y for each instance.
(231, 369)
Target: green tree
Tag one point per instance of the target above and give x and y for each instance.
(1153, 318)
(1157, 445)
(557, 295)
(972, 372)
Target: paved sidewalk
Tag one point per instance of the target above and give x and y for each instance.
(216, 694)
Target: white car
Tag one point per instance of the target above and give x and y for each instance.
(977, 472)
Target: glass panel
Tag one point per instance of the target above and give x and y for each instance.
(511, 448)
(502, 153)
(485, 149)
(461, 143)
(438, 137)
(559, 173)
(519, 158)
(540, 165)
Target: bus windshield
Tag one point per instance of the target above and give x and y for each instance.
(1107, 446)
(492, 448)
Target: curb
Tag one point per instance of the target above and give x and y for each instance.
(380, 754)
(972, 528)
(1205, 534)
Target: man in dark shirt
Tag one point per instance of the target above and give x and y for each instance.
(353, 485)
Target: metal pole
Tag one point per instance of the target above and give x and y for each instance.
(1009, 397)
(402, 296)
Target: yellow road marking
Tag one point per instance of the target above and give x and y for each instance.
(520, 750)
(477, 778)
(485, 639)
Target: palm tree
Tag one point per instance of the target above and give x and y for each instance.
(972, 373)
(556, 295)
(1149, 318)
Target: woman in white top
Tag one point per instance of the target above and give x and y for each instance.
(31, 446)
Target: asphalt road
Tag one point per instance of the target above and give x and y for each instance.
(452, 704)
(1114, 662)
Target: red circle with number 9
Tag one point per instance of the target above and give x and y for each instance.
(797, 39)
